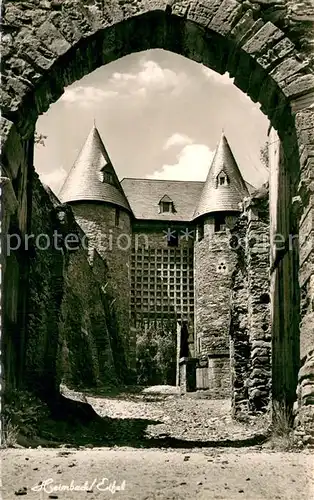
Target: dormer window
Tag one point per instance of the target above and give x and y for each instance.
(106, 176)
(222, 179)
(166, 205)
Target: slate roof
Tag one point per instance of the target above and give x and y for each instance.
(216, 198)
(84, 183)
(144, 196)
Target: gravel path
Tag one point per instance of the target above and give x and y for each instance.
(187, 417)
(193, 450)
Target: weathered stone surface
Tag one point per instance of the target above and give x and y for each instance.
(246, 27)
(251, 342)
(260, 352)
(261, 344)
(98, 222)
(263, 39)
(275, 54)
(301, 85)
(68, 334)
(9, 201)
(287, 68)
(226, 17)
(203, 12)
(47, 45)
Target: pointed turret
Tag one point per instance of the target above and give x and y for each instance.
(224, 187)
(92, 177)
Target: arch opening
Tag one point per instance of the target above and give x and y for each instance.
(264, 74)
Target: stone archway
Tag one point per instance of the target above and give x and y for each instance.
(48, 45)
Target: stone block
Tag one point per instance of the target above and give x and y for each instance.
(260, 353)
(306, 334)
(246, 27)
(260, 361)
(180, 8)
(275, 54)
(261, 372)
(261, 344)
(287, 68)
(301, 85)
(267, 36)
(225, 18)
(52, 38)
(202, 12)
(307, 371)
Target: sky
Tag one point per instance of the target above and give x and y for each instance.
(160, 116)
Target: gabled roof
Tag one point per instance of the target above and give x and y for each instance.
(84, 183)
(217, 198)
(165, 199)
(144, 196)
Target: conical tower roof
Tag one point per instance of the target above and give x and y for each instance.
(225, 196)
(92, 177)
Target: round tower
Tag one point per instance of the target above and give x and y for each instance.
(100, 207)
(214, 261)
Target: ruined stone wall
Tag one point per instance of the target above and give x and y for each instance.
(114, 244)
(15, 215)
(250, 311)
(239, 324)
(214, 263)
(259, 381)
(67, 332)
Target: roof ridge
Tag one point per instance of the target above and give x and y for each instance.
(157, 180)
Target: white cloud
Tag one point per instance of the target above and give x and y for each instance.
(84, 96)
(177, 140)
(216, 77)
(141, 92)
(54, 179)
(151, 75)
(193, 164)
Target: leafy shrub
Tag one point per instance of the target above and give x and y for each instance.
(22, 413)
(156, 355)
(9, 434)
(282, 418)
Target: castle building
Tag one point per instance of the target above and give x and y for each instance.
(166, 244)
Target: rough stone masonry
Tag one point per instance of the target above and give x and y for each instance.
(266, 46)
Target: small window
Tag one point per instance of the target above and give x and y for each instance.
(199, 345)
(173, 239)
(166, 205)
(222, 179)
(220, 223)
(106, 176)
(117, 217)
